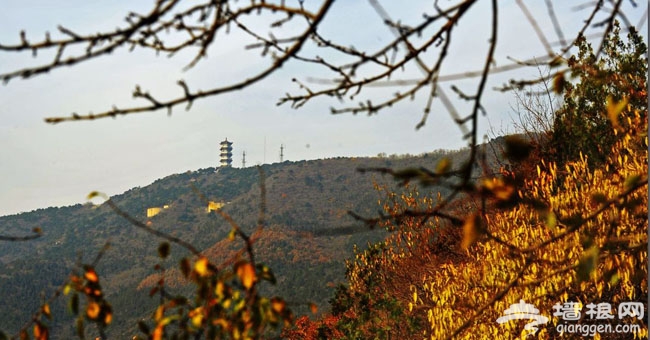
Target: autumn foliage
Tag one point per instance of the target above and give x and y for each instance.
(570, 230)
(566, 225)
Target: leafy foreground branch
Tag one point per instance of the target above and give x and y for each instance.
(225, 303)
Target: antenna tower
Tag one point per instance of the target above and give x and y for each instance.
(243, 160)
(281, 152)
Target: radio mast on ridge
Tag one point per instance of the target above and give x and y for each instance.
(281, 152)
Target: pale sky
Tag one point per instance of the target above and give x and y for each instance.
(43, 165)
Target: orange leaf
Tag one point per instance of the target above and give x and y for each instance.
(40, 332)
(246, 273)
(498, 188)
(471, 231)
(313, 308)
(158, 333)
(91, 275)
(108, 318)
(46, 311)
(93, 310)
(277, 305)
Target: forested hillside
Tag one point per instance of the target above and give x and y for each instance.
(308, 235)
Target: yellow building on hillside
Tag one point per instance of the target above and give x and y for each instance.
(153, 211)
(213, 206)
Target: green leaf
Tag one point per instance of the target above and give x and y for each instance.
(551, 220)
(588, 263)
(599, 198)
(407, 174)
(574, 221)
(266, 273)
(81, 332)
(631, 181)
(443, 166)
(74, 304)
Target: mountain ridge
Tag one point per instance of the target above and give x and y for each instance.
(307, 236)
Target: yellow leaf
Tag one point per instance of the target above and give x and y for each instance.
(246, 273)
(160, 313)
(201, 266)
(614, 109)
(96, 194)
(218, 290)
(197, 316)
(232, 234)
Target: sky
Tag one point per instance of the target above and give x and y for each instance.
(44, 165)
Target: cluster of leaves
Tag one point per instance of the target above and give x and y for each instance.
(565, 232)
(589, 112)
(374, 303)
(225, 300)
(306, 328)
(226, 303)
(97, 309)
(584, 240)
(94, 309)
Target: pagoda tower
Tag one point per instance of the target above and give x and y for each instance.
(226, 153)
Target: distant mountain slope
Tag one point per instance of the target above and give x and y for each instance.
(308, 234)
